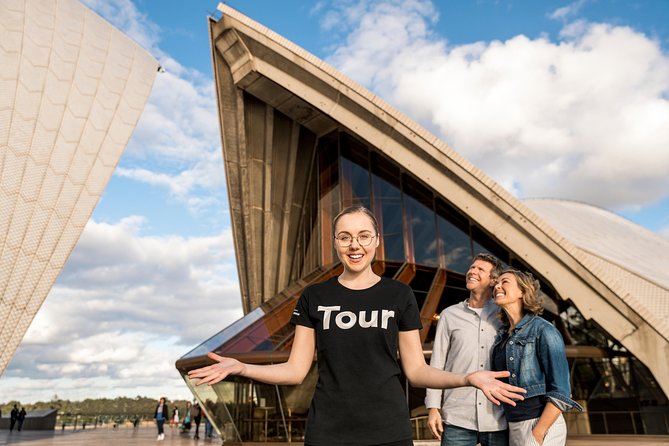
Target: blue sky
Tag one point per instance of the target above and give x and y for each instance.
(551, 99)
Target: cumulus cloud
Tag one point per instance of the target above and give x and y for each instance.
(568, 11)
(125, 308)
(581, 118)
(176, 145)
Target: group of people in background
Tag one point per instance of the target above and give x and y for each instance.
(498, 375)
(16, 418)
(193, 415)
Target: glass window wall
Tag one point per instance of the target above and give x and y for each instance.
(420, 232)
(388, 209)
(420, 216)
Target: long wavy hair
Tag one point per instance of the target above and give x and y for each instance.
(529, 287)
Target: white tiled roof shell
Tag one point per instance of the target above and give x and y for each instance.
(72, 88)
(633, 259)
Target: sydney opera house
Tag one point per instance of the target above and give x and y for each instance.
(300, 141)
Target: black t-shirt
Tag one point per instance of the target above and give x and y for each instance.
(359, 399)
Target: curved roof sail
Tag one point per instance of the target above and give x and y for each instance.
(72, 88)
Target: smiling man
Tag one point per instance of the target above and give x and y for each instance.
(465, 335)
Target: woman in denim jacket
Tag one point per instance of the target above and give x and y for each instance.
(531, 349)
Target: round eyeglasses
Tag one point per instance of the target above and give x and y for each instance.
(345, 240)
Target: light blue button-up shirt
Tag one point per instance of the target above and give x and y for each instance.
(462, 344)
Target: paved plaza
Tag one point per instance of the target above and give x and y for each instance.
(146, 436)
(125, 436)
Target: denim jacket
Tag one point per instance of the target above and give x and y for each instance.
(536, 359)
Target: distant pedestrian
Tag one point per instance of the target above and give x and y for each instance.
(175, 418)
(22, 417)
(14, 415)
(208, 428)
(161, 415)
(196, 411)
(185, 427)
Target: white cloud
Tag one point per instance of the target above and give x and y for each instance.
(204, 175)
(126, 304)
(583, 118)
(177, 142)
(565, 12)
(176, 145)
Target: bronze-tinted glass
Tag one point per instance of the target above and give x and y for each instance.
(329, 193)
(453, 230)
(387, 195)
(421, 284)
(354, 163)
(483, 242)
(355, 184)
(456, 245)
(424, 231)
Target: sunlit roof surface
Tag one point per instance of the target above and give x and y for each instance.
(633, 257)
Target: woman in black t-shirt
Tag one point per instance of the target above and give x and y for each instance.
(357, 323)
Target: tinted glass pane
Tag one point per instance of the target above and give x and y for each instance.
(219, 403)
(389, 198)
(328, 189)
(421, 284)
(422, 225)
(479, 248)
(485, 243)
(455, 245)
(355, 184)
(226, 334)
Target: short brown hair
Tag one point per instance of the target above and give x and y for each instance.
(494, 261)
(529, 286)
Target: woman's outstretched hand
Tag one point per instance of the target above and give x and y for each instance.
(494, 389)
(217, 372)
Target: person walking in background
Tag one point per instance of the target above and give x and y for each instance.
(465, 335)
(161, 415)
(187, 418)
(175, 418)
(532, 349)
(196, 411)
(21, 418)
(13, 415)
(208, 428)
(357, 322)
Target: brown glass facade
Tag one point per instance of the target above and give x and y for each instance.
(427, 243)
